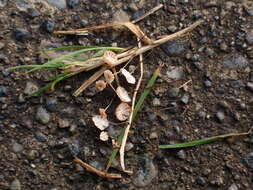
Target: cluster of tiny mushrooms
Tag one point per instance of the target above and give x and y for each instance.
(107, 63)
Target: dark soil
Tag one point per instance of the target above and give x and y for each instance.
(35, 153)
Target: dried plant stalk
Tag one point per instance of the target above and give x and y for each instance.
(133, 52)
(124, 140)
(96, 171)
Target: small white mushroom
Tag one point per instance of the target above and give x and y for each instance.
(122, 94)
(122, 111)
(104, 136)
(100, 85)
(129, 77)
(110, 58)
(100, 122)
(109, 77)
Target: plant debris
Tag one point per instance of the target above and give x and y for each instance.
(104, 136)
(123, 94)
(109, 77)
(129, 77)
(96, 171)
(122, 111)
(100, 85)
(203, 141)
(100, 122)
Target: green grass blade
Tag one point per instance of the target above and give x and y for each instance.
(52, 84)
(23, 67)
(137, 108)
(201, 141)
(68, 48)
(53, 62)
(83, 47)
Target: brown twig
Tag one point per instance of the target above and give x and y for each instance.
(183, 85)
(96, 171)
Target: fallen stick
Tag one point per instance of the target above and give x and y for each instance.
(96, 171)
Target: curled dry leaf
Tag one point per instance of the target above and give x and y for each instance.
(129, 77)
(100, 85)
(122, 94)
(100, 122)
(109, 77)
(110, 58)
(102, 112)
(104, 136)
(123, 111)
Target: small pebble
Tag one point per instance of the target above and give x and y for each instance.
(48, 26)
(212, 3)
(63, 123)
(84, 23)
(30, 88)
(175, 73)
(138, 14)
(185, 99)
(74, 148)
(250, 86)
(233, 187)
(173, 92)
(207, 83)
(72, 3)
(42, 115)
(234, 61)
(220, 116)
(181, 154)
(146, 173)
(6, 72)
(21, 35)
(97, 165)
(3, 3)
(129, 146)
(60, 4)
(21, 98)
(201, 181)
(32, 154)
(249, 37)
(174, 48)
(172, 28)
(249, 160)
(40, 137)
(3, 91)
(15, 185)
(173, 106)
(153, 135)
(223, 46)
(1, 45)
(51, 104)
(156, 102)
(32, 13)
(17, 148)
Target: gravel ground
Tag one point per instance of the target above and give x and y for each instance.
(38, 136)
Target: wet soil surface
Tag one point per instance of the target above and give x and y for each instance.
(38, 136)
